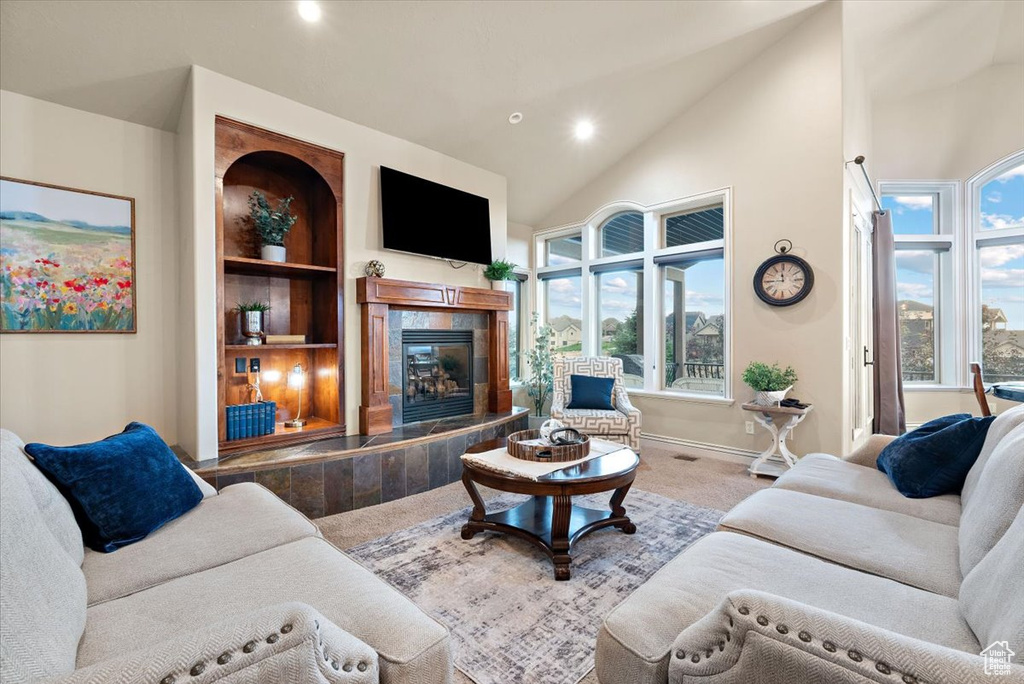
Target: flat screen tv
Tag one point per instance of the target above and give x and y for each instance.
(434, 220)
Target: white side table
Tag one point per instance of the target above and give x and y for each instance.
(779, 421)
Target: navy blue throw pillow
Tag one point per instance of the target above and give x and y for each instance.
(591, 393)
(934, 459)
(120, 488)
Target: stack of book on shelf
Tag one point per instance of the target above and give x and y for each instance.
(251, 420)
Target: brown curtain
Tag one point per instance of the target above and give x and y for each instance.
(888, 373)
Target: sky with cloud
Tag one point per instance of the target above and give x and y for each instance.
(1001, 266)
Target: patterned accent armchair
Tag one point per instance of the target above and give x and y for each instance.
(621, 425)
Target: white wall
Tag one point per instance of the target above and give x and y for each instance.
(773, 132)
(63, 388)
(949, 134)
(365, 150)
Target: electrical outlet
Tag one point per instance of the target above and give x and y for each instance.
(750, 427)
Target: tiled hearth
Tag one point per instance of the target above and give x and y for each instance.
(341, 474)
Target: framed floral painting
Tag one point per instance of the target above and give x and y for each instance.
(67, 260)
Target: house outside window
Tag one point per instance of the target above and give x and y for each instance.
(639, 270)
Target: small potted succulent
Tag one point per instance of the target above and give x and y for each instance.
(252, 314)
(770, 383)
(272, 224)
(500, 272)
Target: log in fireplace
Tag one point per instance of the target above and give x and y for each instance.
(438, 374)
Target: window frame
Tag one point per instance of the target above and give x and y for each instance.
(948, 288)
(590, 266)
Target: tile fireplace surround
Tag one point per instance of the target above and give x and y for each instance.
(387, 303)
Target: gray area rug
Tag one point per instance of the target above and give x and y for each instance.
(510, 620)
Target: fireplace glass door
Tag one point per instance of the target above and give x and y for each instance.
(437, 374)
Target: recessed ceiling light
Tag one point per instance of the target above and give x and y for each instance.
(309, 10)
(515, 117)
(584, 130)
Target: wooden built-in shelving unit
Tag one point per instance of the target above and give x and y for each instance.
(306, 294)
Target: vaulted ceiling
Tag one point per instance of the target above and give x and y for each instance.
(448, 74)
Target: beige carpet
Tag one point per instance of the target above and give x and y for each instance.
(705, 482)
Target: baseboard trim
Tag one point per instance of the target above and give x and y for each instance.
(719, 451)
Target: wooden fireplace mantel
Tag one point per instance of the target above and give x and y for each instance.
(376, 296)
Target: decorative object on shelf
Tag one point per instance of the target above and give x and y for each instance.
(68, 260)
(784, 279)
(284, 339)
(255, 393)
(374, 269)
(550, 426)
(779, 421)
(297, 380)
(272, 223)
(252, 314)
(527, 445)
(770, 383)
(541, 365)
(499, 273)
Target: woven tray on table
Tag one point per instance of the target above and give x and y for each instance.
(545, 453)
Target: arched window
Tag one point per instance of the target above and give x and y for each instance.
(996, 225)
(621, 234)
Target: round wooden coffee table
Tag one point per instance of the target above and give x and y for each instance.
(549, 519)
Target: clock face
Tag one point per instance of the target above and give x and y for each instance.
(783, 280)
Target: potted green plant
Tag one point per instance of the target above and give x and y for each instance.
(770, 383)
(542, 370)
(272, 224)
(500, 272)
(252, 314)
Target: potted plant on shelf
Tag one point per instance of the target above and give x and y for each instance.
(272, 224)
(542, 371)
(500, 272)
(252, 314)
(770, 383)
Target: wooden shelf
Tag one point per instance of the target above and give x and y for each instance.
(265, 347)
(276, 269)
(315, 427)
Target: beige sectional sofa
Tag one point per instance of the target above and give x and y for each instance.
(831, 575)
(240, 589)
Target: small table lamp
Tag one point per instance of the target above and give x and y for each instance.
(296, 380)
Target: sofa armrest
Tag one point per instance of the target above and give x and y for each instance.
(867, 453)
(290, 642)
(756, 636)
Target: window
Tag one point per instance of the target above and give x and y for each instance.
(693, 321)
(924, 228)
(622, 234)
(563, 250)
(620, 297)
(563, 309)
(693, 226)
(517, 324)
(617, 285)
(997, 238)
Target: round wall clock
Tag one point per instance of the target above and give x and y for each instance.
(783, 279)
